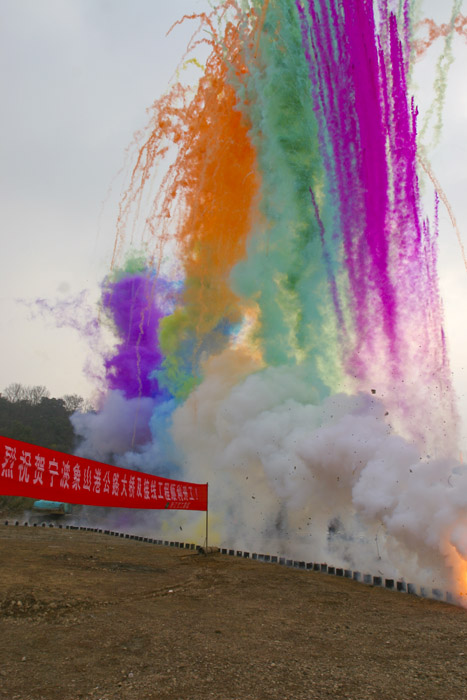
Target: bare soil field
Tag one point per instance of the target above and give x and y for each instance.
(84, 615)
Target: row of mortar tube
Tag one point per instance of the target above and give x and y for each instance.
(367, 579)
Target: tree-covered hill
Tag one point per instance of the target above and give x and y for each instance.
(30, 415)
(46, 423)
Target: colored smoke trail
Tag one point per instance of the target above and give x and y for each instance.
(457, 24)
(136, 304)
(303, 369)
(367, 131)
(208, 192)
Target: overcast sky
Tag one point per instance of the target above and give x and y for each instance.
(76, 79)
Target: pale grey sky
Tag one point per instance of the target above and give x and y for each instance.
(76, 79)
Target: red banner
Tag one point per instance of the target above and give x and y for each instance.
(37, 472)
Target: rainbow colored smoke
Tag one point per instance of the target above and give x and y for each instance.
(293, 200)
(303, 353)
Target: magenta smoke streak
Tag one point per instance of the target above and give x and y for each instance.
(367, 138)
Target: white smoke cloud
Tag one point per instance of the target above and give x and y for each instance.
(132, 433)
(324, 481)
(120, 425)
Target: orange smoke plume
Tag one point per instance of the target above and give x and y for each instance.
(206, 202)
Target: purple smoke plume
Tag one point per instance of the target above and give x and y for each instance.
(136, 304)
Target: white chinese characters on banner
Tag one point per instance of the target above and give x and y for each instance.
(8, 462)
(25, 463)
(65, 478)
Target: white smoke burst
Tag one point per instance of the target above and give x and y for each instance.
(327, 481)
(115, 429)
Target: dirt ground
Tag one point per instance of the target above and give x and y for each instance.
(85, 615)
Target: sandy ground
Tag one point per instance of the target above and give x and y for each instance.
(84, 615)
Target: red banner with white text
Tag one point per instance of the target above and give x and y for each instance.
(37, 472)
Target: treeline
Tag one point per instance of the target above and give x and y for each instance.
(28, 413)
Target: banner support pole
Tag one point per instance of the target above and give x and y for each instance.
(207, 511)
